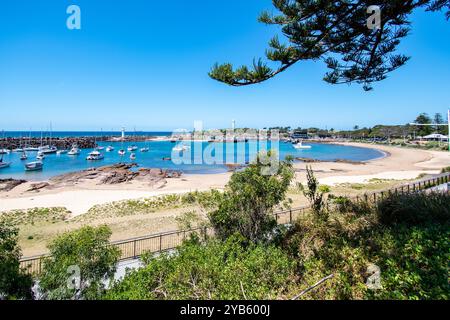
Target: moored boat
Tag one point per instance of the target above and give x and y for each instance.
(34, 166)
(132, 148)
(121, 152)
(4, 164)
(94, 156)
(109, 148)
(48, 149)
(133, 156)
(74, 151)
(300, 145)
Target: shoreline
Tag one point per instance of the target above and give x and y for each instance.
(395, 164)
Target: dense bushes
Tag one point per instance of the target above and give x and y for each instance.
(249, 200)
(415, 209)
(216, 270)
(14, 283)
(80, 264)
(405, 236)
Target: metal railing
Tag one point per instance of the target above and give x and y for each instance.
(134, 248)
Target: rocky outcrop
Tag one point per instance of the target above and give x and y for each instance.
(38, 186)
(9, 184)
(116, 174)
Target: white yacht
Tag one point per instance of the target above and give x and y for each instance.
(132, 148)
(64, 151)
(34, 166)
(300, 145)
(4, 151)
(180, 148)
(95, 155)
(24, 156)
(4, 164)
(40, 156)
(48, 149)
(121, 152)
(133, 156)
(146, 149)
(74, 151)
(109, 148)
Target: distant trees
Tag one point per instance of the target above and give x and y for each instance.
(14, 283)
(423, 118)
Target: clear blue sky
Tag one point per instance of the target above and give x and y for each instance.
(144, 64)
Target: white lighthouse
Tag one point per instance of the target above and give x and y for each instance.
(123, 133)
(233, 124)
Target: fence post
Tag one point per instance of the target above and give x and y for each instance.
(160, 242)
(290, 216)
(134, 249)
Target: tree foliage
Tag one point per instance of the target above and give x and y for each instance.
(14, 283)
(88, 249)
(315, 195)
(228, 269)
(250, 197)
(336, 32)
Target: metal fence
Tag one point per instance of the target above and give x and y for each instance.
(135, 247)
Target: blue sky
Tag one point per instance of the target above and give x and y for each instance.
(144, 64)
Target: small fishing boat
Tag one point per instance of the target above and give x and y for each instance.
(300, 145)
(24, 156)
(4, 151)
(180, 148)
(122, 152)
(48, 149)
(133, 156)
(145, 149)
(132, 148)
(100, 148)
(4, 164)
(74, 151)
(34, 166)
(94, 156)
(59, 152)
(109, 148)
(40, 156)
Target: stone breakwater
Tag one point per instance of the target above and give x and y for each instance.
(60, 143)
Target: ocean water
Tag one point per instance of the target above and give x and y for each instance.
(194, 159)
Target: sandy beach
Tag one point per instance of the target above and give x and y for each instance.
(398, 164)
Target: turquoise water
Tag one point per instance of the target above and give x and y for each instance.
(58, 164)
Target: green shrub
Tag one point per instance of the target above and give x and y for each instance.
(87, 249)
(215, 270)
(14, 283)
(405, 236)
(415, 208)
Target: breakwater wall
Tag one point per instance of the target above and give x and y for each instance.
(60, 143)
(12, 143)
